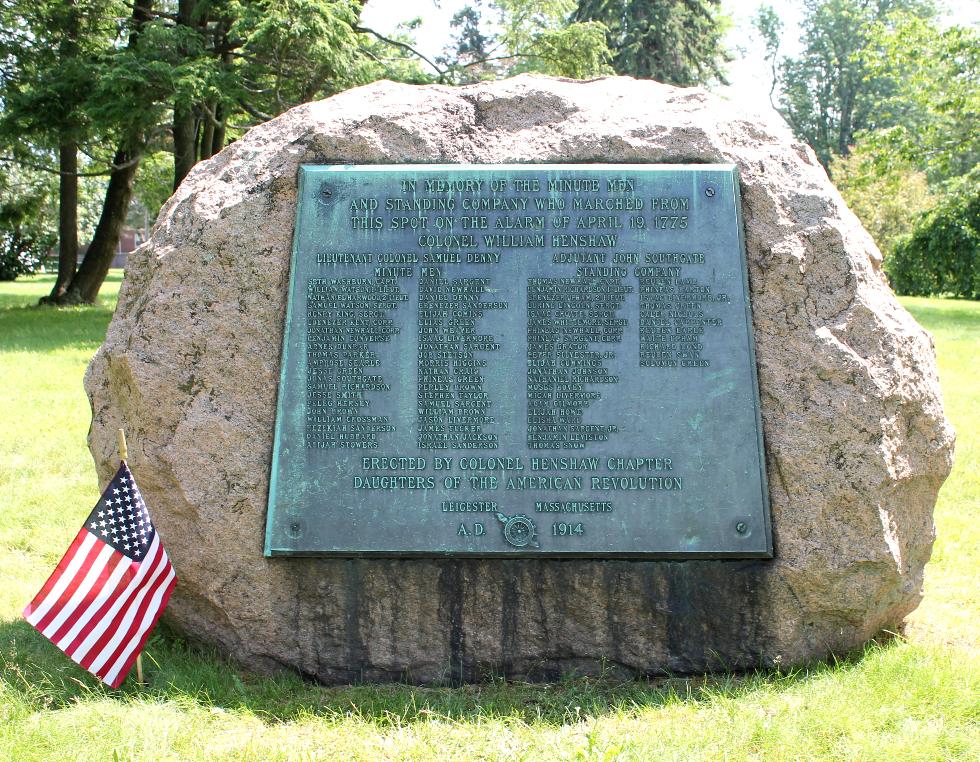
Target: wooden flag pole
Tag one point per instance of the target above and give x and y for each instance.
(123, 452)
(124, 455)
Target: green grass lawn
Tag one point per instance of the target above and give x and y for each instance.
(912, 698)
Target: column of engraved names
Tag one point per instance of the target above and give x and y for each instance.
(344, 317)
(453, 404)
(673, 316)
(565, 317)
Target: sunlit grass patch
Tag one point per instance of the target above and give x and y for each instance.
(914, 699)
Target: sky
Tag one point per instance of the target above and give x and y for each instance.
(748, 73)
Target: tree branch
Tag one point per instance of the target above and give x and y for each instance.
(53, 171)
(251, 111)
(506, 57)
(403, 46)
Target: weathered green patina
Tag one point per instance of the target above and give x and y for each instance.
(521, 360)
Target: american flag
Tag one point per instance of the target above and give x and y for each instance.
(106, 594)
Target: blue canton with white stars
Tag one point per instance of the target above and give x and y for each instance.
(120, 518)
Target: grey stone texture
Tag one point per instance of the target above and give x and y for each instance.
(857, 445)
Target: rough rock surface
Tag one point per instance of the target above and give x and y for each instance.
(856, 441)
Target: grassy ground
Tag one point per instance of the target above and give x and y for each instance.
(912, 698)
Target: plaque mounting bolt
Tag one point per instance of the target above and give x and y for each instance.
(741, 527)
(709, 191)
(325, 194)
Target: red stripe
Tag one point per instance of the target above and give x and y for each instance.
(125, 591)
(110, 631)
(58, 571)
(133, 630)
(72, 585)
(96, 590)
(128, 665)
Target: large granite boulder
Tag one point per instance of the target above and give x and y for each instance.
(857, 445)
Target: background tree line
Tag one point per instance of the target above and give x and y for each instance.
(105, 88)
(106, 105)
(889, 99)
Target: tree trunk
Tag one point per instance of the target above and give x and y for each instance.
(218, 140)
(185, 139)
(185, 125)
(67, 172)
(67, 219)
(846, 91)
(90, 276)
(207, 132)
(88, 279)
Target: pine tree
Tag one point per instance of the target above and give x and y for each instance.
(675, 41)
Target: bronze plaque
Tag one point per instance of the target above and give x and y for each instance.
(522, 360)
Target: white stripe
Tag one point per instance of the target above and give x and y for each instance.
(74, 565)
(108, 591)
(132, 608)
(151, 612)
(131, 612)
(92, 638)
(80, 592)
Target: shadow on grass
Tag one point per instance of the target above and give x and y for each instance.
(46, 329)
(27, 290)
(945, 315)
(26, 326)
(177, 672)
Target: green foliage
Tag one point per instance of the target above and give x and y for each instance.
(470, 41)
(525, 36)
(676, 41)
(577, 51)
(886, 198)
(934, 104)
(884, 75)
(130, 96)
(942, 254)
(154, 183)
(471, 54)
(26, 229)
(91, 192)
(547, 40)
(830, 92)
(28, 216)
(240, 62)
(50, 50)
(123, 81)
(294, 51)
